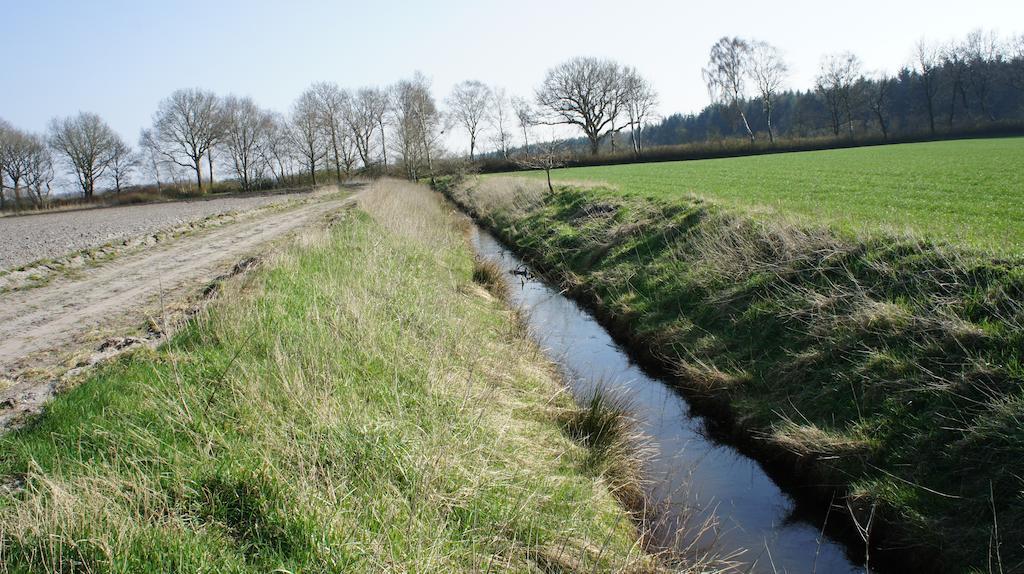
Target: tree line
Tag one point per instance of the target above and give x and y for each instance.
(969, 84)
(332, 132)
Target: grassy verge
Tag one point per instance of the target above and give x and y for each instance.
(357, 404)
(969, 192)
(891, 368)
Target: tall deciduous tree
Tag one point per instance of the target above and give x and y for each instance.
(307, 132)
(726, 73)
(768, 70)
(122, 164)
(364, 117)
(526, 116)
(585, 92)
(246, 128)
(640, 101)
(87, 144)
(26, 162)
(186, 126)
(332, 104)
(470, 102)
(500, 119)
(835, 82)
(417, 125)
(926, 64)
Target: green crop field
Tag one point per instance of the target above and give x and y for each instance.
(969, 192)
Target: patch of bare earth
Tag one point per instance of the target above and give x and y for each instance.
(49, 333)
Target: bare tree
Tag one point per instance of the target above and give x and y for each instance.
(246, 128)
(332, 104)
(640, 101)
(926, 63)
(185, 127)
(501, 121)
(364, 115)
(87, 144)
(835, 82)
(981, 51)
(880, 99)
(123, 162)
(418, 125)
(307, 133)
(585, 92)
(548, 157)
(151, 149)
(726, 74)
(26, 162)
(470, 103)
(526, 117)
(768, 70)
(955, 64)
(5, 132)
(278, 147)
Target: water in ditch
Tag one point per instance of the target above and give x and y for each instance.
(691, 476)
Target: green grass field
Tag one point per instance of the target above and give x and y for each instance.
(969, 192)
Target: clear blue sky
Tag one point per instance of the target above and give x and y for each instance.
(119, 58)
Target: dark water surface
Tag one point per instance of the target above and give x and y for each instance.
(691, 474)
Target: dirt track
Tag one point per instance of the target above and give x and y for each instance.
(44, 326)
(47, 235)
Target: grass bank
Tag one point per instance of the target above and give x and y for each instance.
(889, 368)
(967, 192)
(357, 404)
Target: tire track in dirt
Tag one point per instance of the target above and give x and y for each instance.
(43, 326)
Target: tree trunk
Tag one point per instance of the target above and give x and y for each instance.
(209, 159)
(595, 143)
(746, 125)
(383, 145)
(768, 118)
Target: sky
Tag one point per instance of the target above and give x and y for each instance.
(120, 58)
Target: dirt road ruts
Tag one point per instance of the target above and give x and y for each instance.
(42, 327)
(48, 235)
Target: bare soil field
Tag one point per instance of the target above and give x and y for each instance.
(48, 235)
(46, 330)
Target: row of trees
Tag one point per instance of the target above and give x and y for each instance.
(970, 83)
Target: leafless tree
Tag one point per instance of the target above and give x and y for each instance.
(981, 50)
(501, 121)
(185, 127)
(926, 64)
(836, 79)
(122, 164)
(768, 70)
(418, 125)
(25, 159)
(526, 116)
(954, 61)
(87, 144)
(277, 149)
(880, 99)
(151, 149)
(364, 116)
(585, 92)
(470, 104)
(246, 128)
(548, 156)
(726, 75)
(5, 130)
(307, 132)
(332, 104)
(640, 101)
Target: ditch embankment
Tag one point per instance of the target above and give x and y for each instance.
(882, 376)
(358, 402)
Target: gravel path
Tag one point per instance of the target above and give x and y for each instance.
(50, 235)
